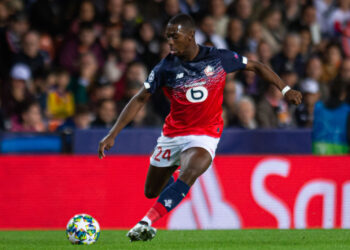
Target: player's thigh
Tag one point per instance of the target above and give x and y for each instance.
(194, 162)
(157, 178)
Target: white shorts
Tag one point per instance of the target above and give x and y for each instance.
(168, 149)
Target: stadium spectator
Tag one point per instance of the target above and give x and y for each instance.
(83, 43)
(206, 35)
(131, 19)
(272, 30)
(103, 89)
(313, 72)
(29, 120)
(344, 72)
(307, 20)
(127, 56)
(49, 16)
(338, 18)
(272, 110)
(305, 111)
(114, 12)
(148, 45)
(110, 38)
(31, 54)
(264, 53)
(60, 101)
(291, 11)
(136, 71)
(217, 9)
(170, 9)
(290, 57)
(243, 9)
(254, 36)
(145, 117)
(191, 7)
(229, 101)
(86, 14)
(234, 38)
(306, 48)
(323, 10)
(10, 41)
(330, 133)
(81, 83)
(331, 63)
(106, 114)
(17, 92)
(110, 70)
(260, 7)
(345, 39)
(290, 78)
(80, 120)
(246, 113)
(42, 83)
(252, 84)
(128, 53)
(131, 88)
(4, 13)
(47, 46)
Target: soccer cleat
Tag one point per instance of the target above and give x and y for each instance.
(141, 231)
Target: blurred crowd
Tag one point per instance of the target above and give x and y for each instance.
(75, 64)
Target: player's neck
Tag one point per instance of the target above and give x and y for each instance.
(192, 53)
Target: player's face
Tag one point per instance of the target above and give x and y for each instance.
(178, 39)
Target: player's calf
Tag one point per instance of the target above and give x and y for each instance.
(151, 192)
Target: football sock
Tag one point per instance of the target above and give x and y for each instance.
(168, 199)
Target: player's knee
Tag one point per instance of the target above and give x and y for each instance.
(189, 176)
(150, 194)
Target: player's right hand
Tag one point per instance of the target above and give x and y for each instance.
(105, 144)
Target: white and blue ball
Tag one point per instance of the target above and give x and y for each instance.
(83, 229)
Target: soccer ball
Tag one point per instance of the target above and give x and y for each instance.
(83, 229)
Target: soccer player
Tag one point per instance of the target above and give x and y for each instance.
(193, 78)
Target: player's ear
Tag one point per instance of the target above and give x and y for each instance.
(191, 34)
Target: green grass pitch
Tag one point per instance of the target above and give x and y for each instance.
(201, 239)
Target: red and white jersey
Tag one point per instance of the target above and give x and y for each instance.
(195, 90)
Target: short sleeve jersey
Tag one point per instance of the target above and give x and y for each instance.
(195, 90)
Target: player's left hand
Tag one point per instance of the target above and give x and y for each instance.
(293, 97)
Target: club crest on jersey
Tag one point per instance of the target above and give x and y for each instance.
(209, 70)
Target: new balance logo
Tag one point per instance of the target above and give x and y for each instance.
(168, 203)
(180, 75)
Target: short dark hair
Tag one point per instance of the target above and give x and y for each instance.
(86, 26)
(103, 101)
(82, 109)
(185, 20)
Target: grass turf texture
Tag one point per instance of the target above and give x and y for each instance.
(217, 239)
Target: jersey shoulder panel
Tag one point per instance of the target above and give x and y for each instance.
(231, 61)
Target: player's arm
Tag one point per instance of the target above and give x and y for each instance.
(126, 116)
(292, 96)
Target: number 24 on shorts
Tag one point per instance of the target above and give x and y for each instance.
(166, 154)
